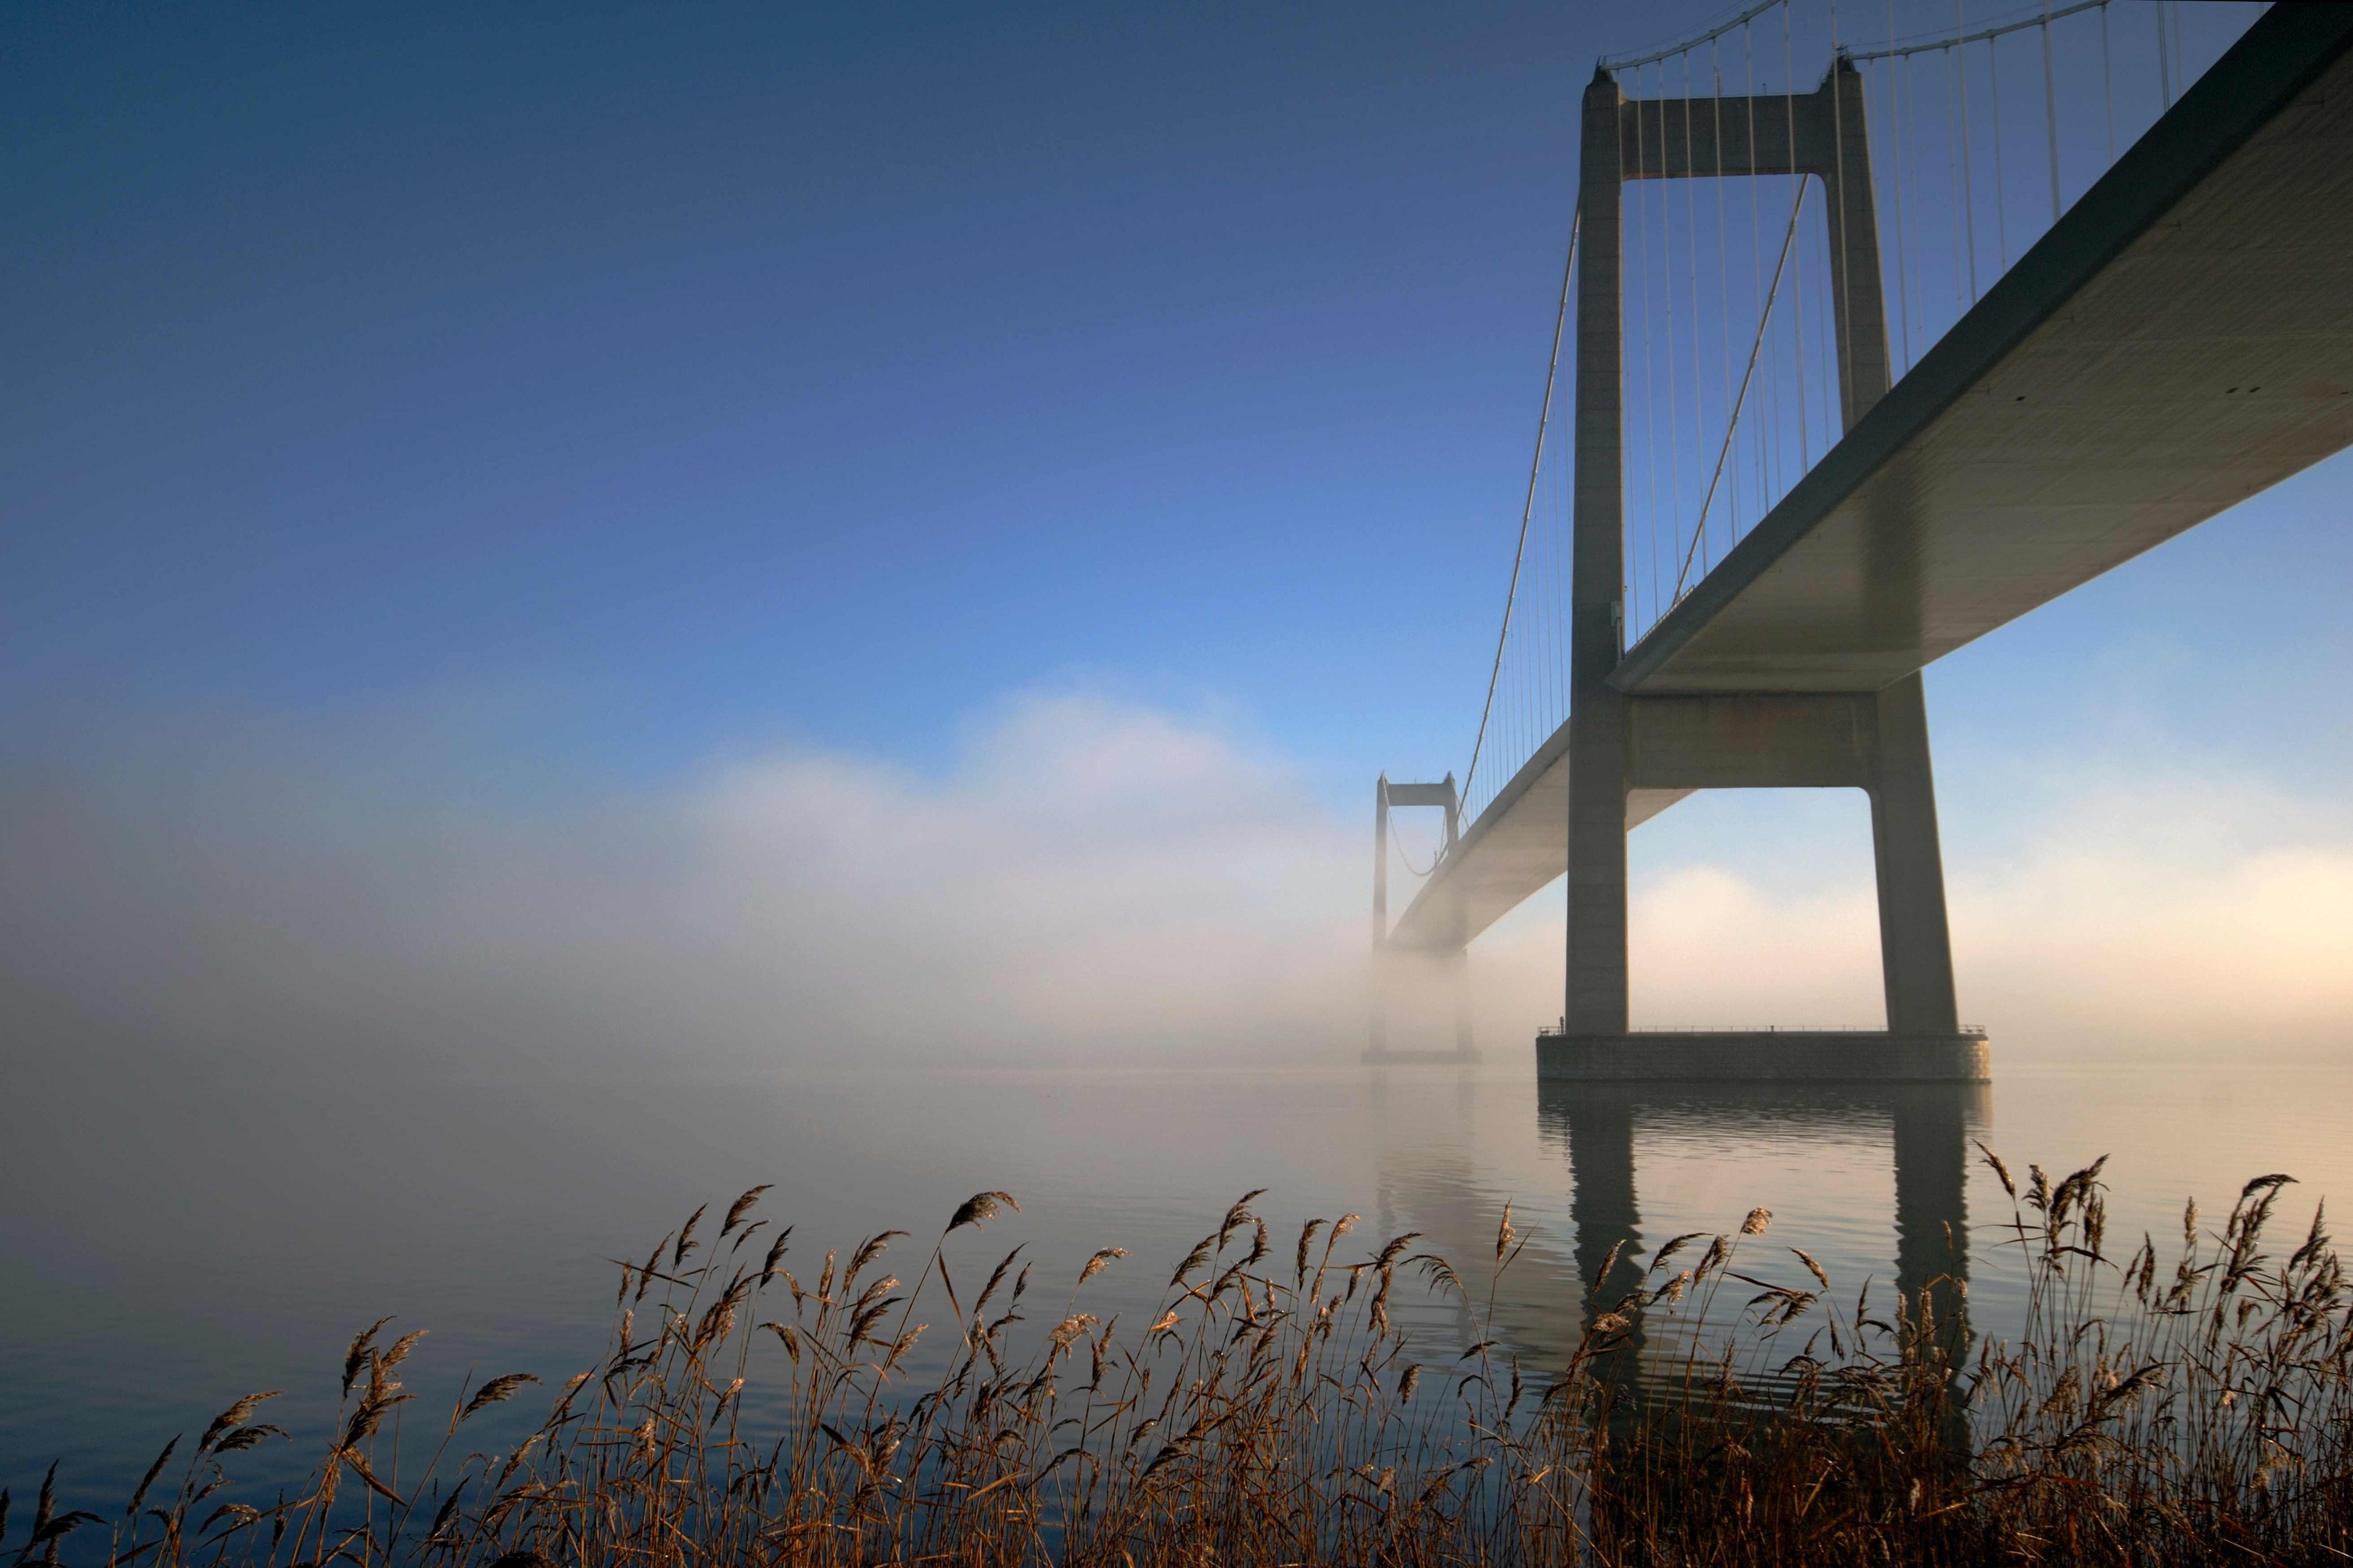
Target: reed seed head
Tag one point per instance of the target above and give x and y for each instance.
(979, 1209)
(742, 1206)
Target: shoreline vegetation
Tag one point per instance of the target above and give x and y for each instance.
(2198, 1409)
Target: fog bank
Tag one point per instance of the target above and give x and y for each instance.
(1089, 877)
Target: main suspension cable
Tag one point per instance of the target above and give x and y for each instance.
(1527, 510)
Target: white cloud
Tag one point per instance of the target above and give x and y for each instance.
(1089, 877)
(2168, 912)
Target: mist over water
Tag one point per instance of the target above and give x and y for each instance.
(1087, 879)
(288, 1050)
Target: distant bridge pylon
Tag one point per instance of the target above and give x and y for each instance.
(1453, 959)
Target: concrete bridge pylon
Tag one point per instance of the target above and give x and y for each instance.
(1619, 743)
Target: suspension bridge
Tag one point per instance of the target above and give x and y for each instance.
(1857, 369)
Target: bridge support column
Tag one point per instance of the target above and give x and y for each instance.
(1916, 946)
(1599, 717)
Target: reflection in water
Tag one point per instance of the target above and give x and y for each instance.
(1932, 1125)
(482, 1203)
(1929, 1127)
(1435, 1185)
(1441, 1187)
(1602, 1210)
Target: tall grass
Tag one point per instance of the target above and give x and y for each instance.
(1271, 1412)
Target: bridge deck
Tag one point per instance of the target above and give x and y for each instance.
(2180, 339)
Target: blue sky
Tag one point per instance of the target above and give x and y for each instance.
(555, 401)
(751, 371)
(686, 380)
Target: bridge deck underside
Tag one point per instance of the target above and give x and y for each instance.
(2180, 340)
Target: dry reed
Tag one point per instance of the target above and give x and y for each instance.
(1270, 1413)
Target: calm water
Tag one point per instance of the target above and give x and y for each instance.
(171, 1242)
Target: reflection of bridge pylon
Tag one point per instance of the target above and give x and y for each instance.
(1431, 1180)
(1929, 1126)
